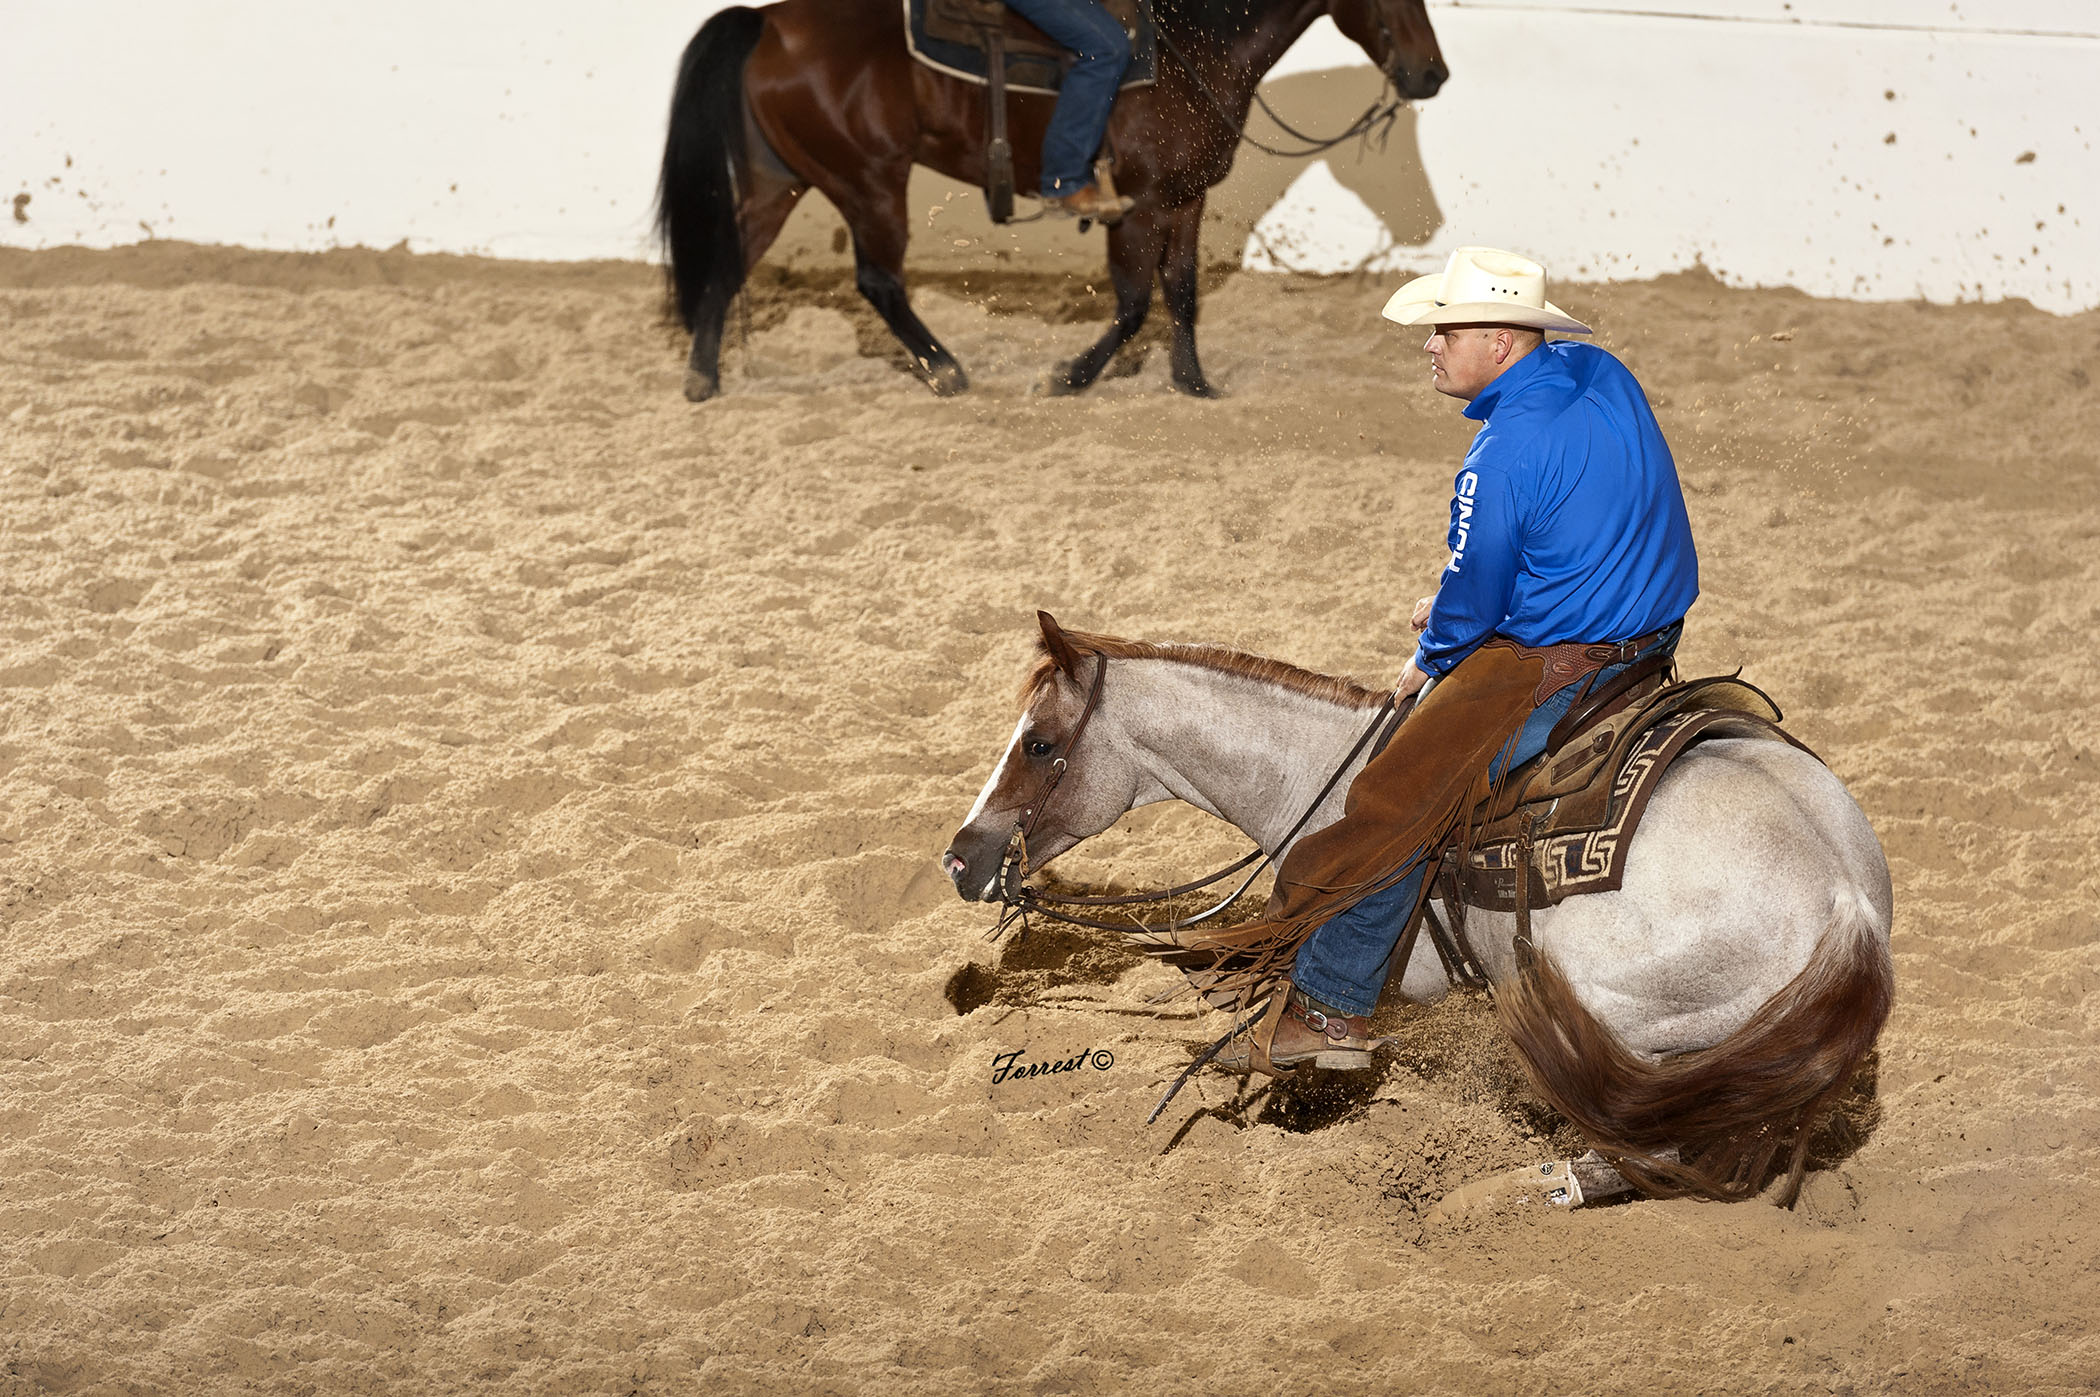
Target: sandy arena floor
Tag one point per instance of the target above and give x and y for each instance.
(468, 818)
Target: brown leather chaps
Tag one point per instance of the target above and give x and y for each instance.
(1400, 806)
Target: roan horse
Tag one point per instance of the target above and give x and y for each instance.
(1692, 1024)
(823, 93)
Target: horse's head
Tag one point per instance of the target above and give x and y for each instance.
(1398, 37)
(1090, 783)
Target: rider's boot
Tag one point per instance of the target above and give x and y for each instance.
(1295, 1029)
(1088, 201)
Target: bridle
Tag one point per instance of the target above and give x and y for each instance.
(1016, 855)
(1018, 901)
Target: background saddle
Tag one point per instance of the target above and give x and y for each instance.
(954, 36)
(982, 41)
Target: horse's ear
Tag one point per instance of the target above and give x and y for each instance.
(1057, 645)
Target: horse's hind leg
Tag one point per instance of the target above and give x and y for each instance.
(758, 221)
(763, 216)
(877, 219)
(883, 285)
(703, 363)
(1178, 274)
(1134, 247)
(1562, 1183)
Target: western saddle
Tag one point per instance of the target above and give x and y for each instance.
(982, 41)
(1561, 824)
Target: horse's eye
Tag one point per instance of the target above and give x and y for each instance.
(1038, 748)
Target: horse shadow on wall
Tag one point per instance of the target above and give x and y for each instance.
(951, 232)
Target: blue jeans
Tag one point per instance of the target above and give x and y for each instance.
(1345, 962)
(1102, 52)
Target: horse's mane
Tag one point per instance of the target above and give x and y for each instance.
(1328, 688)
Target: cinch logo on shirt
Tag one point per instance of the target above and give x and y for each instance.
(1468, 483)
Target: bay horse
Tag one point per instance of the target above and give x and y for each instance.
(770, 103)
(1692, 1024)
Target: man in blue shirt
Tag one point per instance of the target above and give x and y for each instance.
(1568, 529)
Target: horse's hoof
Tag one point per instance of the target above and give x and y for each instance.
(1198, 388)
(1058, 382)
(1551, 1185)
(946, 380)
(699, 387)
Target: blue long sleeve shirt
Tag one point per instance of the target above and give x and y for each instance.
(1567, 521)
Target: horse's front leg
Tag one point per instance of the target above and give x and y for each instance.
(1178, 274)
(1134, 247)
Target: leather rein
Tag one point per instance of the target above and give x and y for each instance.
(1019, 901)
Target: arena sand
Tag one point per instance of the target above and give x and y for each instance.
(469, 823)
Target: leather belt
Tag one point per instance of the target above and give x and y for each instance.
(1575, 660)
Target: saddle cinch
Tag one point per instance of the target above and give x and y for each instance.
(983, 42)
(1561, 824)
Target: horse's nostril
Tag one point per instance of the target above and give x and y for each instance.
(1427, 85)
(958, 870)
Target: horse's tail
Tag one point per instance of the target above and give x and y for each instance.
(696, 195)
(1730, 1109)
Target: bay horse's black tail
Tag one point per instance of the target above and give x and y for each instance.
(696, 195)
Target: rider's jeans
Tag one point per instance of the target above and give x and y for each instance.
(1345, 962)
(1101, 52)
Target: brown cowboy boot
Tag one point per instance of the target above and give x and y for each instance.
(1295, 1029)
(1089, 202)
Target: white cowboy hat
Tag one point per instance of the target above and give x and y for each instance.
(1482, 286)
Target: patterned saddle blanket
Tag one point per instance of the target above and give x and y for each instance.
(949, 37)
(1583, 801)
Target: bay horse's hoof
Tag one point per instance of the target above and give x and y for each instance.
(1198, 388)
(946, 380)
(699, 387)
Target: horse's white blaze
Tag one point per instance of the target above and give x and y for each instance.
(991, 784)
(990, 891)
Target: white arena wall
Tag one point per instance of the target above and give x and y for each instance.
(1859, 148)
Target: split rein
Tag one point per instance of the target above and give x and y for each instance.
(1020, 902)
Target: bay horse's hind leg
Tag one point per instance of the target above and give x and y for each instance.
(1178, 274)
(703, 363)
(883, 286)
(877, 219)
(759, 220)
(1133, 260)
